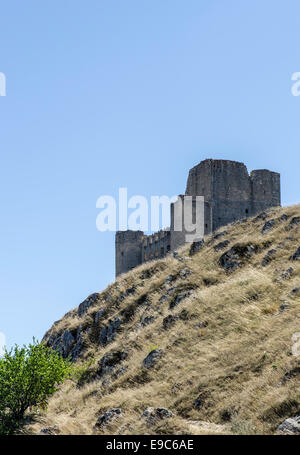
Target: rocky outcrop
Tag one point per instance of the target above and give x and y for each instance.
(196, 247)
(144, 321)
(152, 358)
(296, 291)
(108, 332)
(283, 217)
(108, 417)
(67, 344)
(286, 274)
(221, 245)
(154, 415)
(260, 217)
(219, 235)
(98, 316)
(268, 257)
(290, 426)
(85, 305)
(296, 255)
(169, 321)
(109, 363)
(294, 222)
(185, 273)
(294, 372)
(268, 226)
(50, 430)
(233, 258)
(178, 298)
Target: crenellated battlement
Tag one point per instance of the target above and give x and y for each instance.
(230, 194)
(156, 245)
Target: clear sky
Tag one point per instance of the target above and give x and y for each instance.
(103, 94)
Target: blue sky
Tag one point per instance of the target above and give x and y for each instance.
(103, 94)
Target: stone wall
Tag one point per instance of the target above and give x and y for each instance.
(156, 245)
(230, 194)
(128, 247)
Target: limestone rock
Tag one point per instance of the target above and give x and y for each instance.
(283, 307)
(76, 350)
(169, 279)
(84, 306)
(283, 217)
(219, 234)
(261, 216)
(296, 291)
(154, 415)
(286, 274)
(201, 324)
(152, 358)
(108, 363)
(64, 343)
(290, 426)
(99, 315)
(50, 430)
(268, 226)
(126, 293)
(232, 259)
(108, 333)
(196, 247)
(268, 257)
(198, 402)
(163, 298)
(179, 298)
(169, 321)
(296, 255)
(185, 273)
(108, 417)
(147, 320)
(294, 222)
(291, 374)
(221, 245)
(176, 256)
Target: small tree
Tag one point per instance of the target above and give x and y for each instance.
(28, 377)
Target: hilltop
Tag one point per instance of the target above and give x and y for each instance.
(197, 342)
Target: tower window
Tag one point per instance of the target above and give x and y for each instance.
(247, 211)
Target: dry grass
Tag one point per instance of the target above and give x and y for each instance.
(230, 346)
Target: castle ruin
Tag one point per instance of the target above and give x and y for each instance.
(230, 194)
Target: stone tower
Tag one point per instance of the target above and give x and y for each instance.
(230, 194)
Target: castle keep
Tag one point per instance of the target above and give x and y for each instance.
(230, 194)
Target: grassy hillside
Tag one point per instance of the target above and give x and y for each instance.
(221, 330)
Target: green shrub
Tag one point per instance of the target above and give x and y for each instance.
(29, 375)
